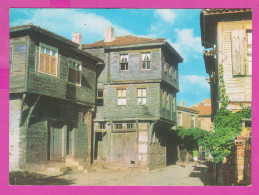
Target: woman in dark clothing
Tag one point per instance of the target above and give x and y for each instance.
(182, 155)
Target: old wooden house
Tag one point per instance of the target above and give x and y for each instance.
(187, 117)
(204, 116)
(52, 93)
(226, 35)
(136, 99)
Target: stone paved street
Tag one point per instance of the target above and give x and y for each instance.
(172, 175)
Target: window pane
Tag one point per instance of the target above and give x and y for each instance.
(144, 92)
(144, 65)
(119, 101)
(100, 94)
(148, 65)
(124, 92)
(42, 49)
(249, 38)
(119, 93)
(144, 101)
(47, 51)
(53, 53)
(250, 58)
(143, 56)
(124, 101)
(249, 49)
(148, 56)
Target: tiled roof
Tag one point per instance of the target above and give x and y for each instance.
(223, 11)
(123, 41)
(204, 108)
(191, 110)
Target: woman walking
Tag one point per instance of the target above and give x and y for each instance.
(182, 155)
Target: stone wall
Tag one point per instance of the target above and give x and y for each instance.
(14, 133)
(157, 155)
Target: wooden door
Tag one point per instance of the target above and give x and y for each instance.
(55, 141)
(124, 148)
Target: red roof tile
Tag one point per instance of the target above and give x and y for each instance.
(203, 107)
(223, 11)
(124, 40)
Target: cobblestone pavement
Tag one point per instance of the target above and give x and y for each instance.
(173, 175)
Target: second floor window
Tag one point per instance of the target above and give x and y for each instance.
(48, 59)
(74, 71)
(121, 95)
(124, 62)
(142, 96)
(145, 61)
(100, 98)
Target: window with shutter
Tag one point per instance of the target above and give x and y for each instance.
(249, 51)
(48, 59)
(238, 44)
(74, 71)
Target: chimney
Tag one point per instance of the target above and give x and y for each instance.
(109, 34)
(182, 103)
(77, 38)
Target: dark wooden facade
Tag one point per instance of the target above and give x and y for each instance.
(131, 134)
(48, 114)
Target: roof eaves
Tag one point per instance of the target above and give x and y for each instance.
(43, 31)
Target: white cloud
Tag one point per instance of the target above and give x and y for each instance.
(193, 83)
(187, 44)
(68, 21)
(167, 15)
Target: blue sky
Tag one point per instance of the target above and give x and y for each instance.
(181, 28)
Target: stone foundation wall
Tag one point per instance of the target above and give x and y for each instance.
(14, 133)
(157, 155)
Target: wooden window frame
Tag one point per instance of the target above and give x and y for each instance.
(116, 126)
(125, 63)
(142, 61)
(130, 125)
(141, 96)
(100, 99)
(51, 49)
(102, 125)
(78, 68)
(121, 97)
